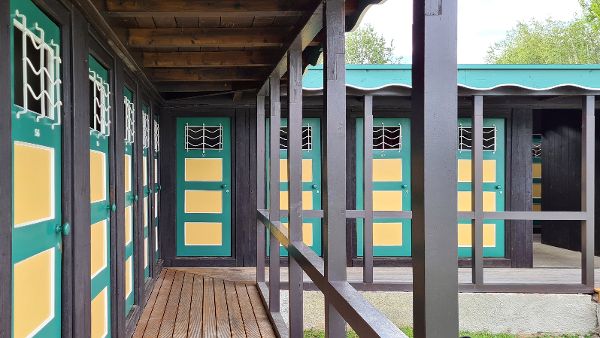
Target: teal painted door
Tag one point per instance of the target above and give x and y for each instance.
(99, 198)
(391, 185)
(130, 197)
(204, 186)
(311, 179)
(37, 171)
(156, 185)
(494, 140)
(147, 189)
(536, 154)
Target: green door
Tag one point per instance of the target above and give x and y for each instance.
(130, 197)
(147, 187)
(493, 185)
(311, 179)
(156, 184)
(391, 185)
(204, 186)
(37, 170)
(99, 198)
(536, 154)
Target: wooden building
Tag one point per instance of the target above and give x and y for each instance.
(134, 136)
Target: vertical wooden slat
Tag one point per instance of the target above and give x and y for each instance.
(183, 311)
(477, 188)
(209, 320)
(223, 329)
(195, 325)
(236, 321)
(368, 189)
(158, 310)
(247, 313)
(264, 325)
(334, 155)
(143, 322)
(260, 187)
(168, 321)
(274, 207)
(588, 133)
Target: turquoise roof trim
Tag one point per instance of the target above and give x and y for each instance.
(476, 77)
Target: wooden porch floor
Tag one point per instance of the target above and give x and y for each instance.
(191, 304)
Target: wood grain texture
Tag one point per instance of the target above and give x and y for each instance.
(145, 318)
(195, 325)
(183, 312)
(222, 316)
(247, 313)
(168, 323)
(209, 320)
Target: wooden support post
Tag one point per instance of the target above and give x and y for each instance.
(274, 206)
(434, 170)
(477, 186)
(588, 139)
(334, 159)
(260, 187)
(296, 326)
(368, 190)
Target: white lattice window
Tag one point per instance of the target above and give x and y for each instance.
(465, 138)
(387, 137)
(536, 148)
(99, 105)
(129, 121)
(37, 66)
(146, 120)
(156, 137)
(203, 137)
(306, 138)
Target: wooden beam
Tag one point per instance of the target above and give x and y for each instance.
(206, 9)
(212, 74)
(206, 37)
(207, 59)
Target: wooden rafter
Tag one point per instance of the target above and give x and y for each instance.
(212, 74)
(208, 59)
(205, 37)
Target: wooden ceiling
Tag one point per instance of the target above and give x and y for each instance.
(191, 47)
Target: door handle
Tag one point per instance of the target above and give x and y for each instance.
(498, 187)
(315, 187)
(64, 229)
(112, 207)
(224, 186)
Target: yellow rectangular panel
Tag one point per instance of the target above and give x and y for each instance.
(128, 224)
(99, 311)
(537, 207)
(537, 170)
(465, 235)
(145, 252)
(307, 174)
(307, 232)
(128, 276)
(203, 201)
(464, 171)
(33, 184)
(145, 212)
(33, 293)
(204, 169)
(145, 170)
(489, 201)
(387, 234)
(307, 200)
(155, 239)
(465, 201)
(127, 173)
(387, 170)
(537, 190)
(387, 200)
(155, 205)
(155, 170)
(203, 233)
(489, 171)
(98, 247)
(97, 176)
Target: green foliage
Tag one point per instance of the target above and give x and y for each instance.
(313, 333)
(366, 46)
(591, 10)
(548, 42)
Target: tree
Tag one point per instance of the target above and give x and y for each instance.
(591, 10)
(548, 42)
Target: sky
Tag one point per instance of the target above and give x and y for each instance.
(481, 23)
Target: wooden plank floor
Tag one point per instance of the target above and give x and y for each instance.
(186, 303)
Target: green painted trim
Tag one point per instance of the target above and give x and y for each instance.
(129, 201)
(224, 250)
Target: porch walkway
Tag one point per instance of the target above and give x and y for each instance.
(189, 304)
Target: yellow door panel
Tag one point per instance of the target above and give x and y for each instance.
(145, 170)
(203, 201)
(155, 170)
(127, 173)
(387, 200)
(465, 200)
(537, 170)
(33, 293)
(537, 207)
(98, 242)
(387, 234)
(537, 190)
(465, 235)
(203, 169)
(307, 232)
(33, 184)
(489, 201)
(145, 252)
(489, 171)
(145, 212)
(307, 167)
(465, 171)
(97, 176)
(128, 223)
(203, 233)
(100, 315)
(307, 200)
(387, 170)
(128, 276)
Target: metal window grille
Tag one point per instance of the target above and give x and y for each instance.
(100, 105)
(465, 138)
(156, 137)
(203, 137)
(146, 141)
(39, 87)
(129, 121)
(536, 148)
(387, 138)
(306, 138)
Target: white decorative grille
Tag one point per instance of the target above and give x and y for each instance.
(43, 97)
(203, 137)
(129, 121)
(306, 138)
(100, 96)
(465, 138)
(387, 138)
(146, 121)
(156, 137)
(536, 148)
